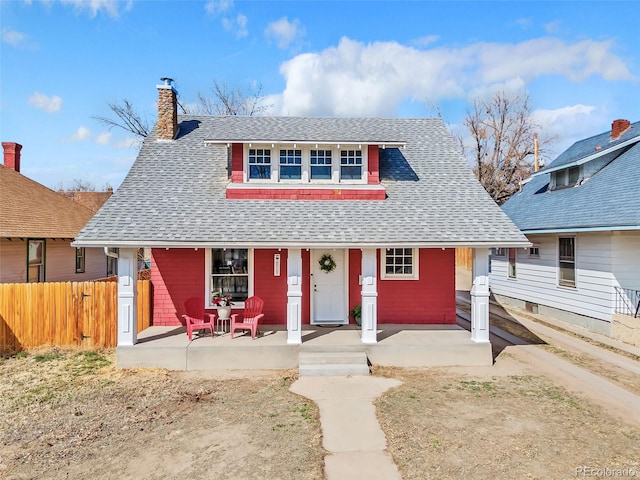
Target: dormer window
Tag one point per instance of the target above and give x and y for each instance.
(305, 164)
(568, 177)
(320, 164)
(259, 163)
(290, 164)
(350, 164)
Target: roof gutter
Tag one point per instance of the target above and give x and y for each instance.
(584, 229)
(383, 143)
(589, 158)
(196, 244)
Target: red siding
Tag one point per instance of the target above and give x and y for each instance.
(374, 165)
(306, 287)
(272, 289)
(304, 194)
(237, 158)
(355, 290)
(177, 274)
(431, 299)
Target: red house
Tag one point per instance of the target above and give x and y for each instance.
(313, 215)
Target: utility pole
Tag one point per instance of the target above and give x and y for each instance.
(536, 164)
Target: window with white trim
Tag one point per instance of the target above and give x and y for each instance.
(80, 260)
(350, 164)
(35, 260)
(399, 263)
(320, 164)
(260, 163)
(306, 164)
(229, 273)
(290, 164)
(499, 252)
(567, 177)
(534, 251)
(567, 261)
(512, 263)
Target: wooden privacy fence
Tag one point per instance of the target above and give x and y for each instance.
(64, 314)
(464, 257)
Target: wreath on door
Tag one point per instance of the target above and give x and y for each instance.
(327, 263)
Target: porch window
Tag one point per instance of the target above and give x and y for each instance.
(112, 262)
(290, 164)
(230, 273)
(534, 251)
(350, 164)
(567, 261)
(260, 163)
(320, 164)
(512, 263)
(399, 264)
(499, 252)
(35, 260)
(80, 260)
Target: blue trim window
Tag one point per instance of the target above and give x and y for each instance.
(290, 164)
(350, 164)
(260, 163)
(320, 164)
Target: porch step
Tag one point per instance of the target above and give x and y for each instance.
(332, 363)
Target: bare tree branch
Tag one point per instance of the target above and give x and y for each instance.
(127, 119)
(500, 144)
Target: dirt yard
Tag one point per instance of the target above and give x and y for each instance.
(500, 422)
(71, 414)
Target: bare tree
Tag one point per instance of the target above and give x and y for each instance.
(501, 142)
(79, 185)
(225, 100)
(127, 119)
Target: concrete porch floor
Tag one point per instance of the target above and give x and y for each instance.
(398, 345)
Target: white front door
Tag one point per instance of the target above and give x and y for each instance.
(329, 293)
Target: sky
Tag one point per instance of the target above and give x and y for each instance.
(62, 62)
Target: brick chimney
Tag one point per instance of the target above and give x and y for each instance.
(618, 127)
(167, 110)
(12, 155)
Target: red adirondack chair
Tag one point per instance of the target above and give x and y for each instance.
(250, 318)
(196, 318)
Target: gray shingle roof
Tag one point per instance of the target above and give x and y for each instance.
(174, 193)
(610, 199)
(596, 144)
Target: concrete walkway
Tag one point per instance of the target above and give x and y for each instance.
(350, 430)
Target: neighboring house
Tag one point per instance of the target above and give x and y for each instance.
(37, 226)
(582, 214)
(314, 215)
(91, 200)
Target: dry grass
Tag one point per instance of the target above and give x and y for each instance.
(71, 414)
(487, 426)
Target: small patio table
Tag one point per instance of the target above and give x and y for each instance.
(223, 325)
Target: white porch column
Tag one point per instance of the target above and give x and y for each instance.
(369, 315)
(480, 295)
(294, 296)
(127, 296)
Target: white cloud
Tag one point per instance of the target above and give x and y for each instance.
(14, 38)
(216, 7)
(128, 143)
(354, 79)
(237, 25)
(43, 102)
(83, 133)
(284, 32)
(93, 7)
(103, 138)
(425, 41)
